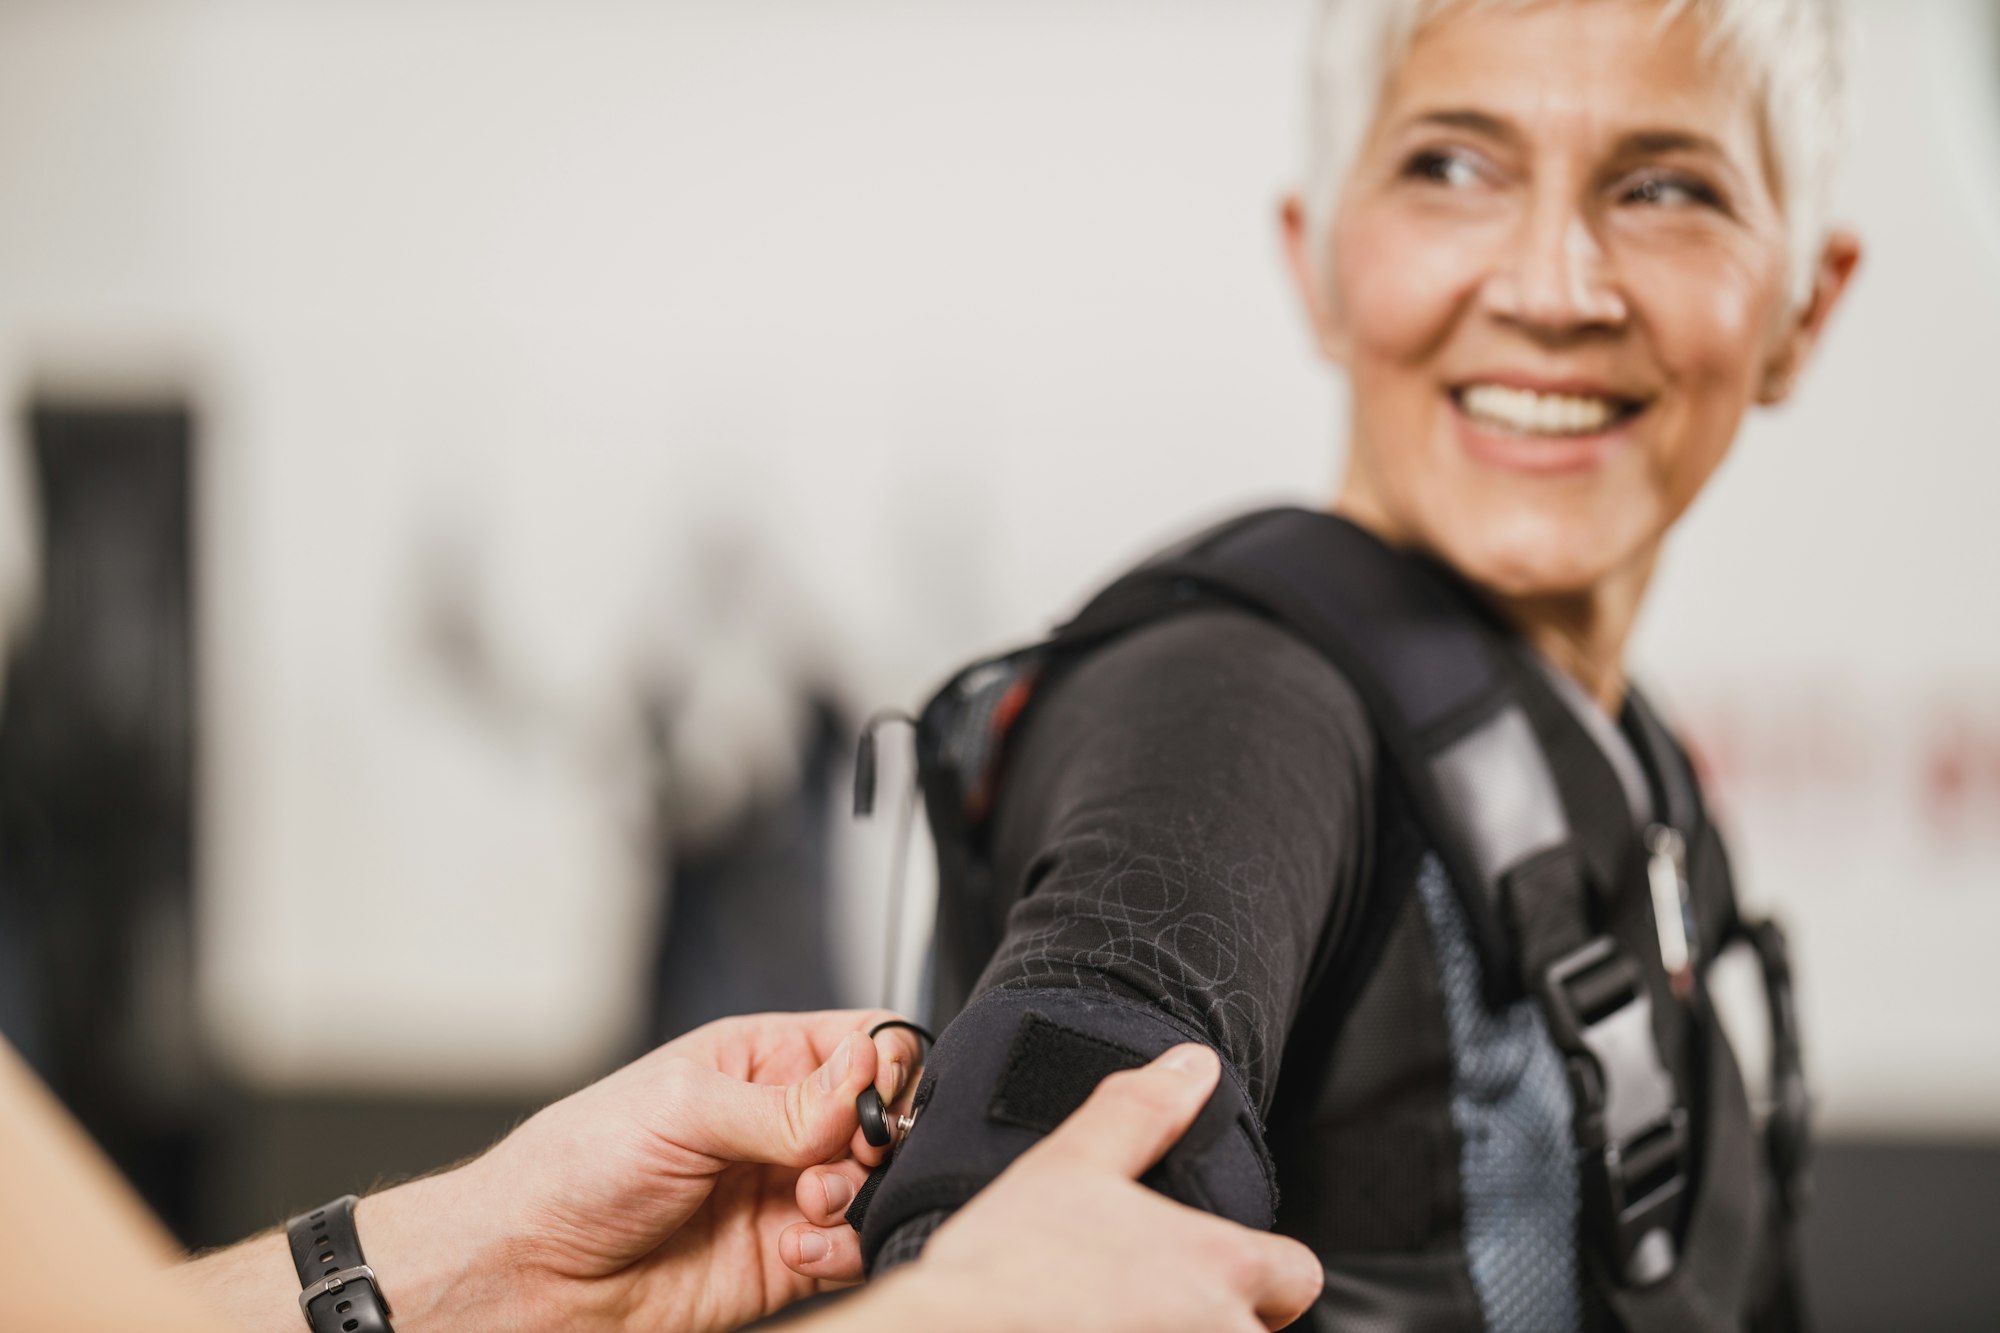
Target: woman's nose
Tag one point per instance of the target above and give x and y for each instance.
(1556, 278)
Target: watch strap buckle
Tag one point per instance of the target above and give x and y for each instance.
(334, 1283)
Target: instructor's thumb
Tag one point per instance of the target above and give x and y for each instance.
(1135, 1116)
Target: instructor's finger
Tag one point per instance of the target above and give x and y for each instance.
(1133, 1117)
(795, 1125)
(832, 1254)
(1284, 1277)
(899, 1056)
(899, 1053)
(824, 1192)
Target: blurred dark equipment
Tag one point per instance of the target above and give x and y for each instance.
(1901, 1234)
(97, 790)
(746, 923)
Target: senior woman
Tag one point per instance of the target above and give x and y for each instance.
(1362, 797)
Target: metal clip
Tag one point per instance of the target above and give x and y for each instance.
(1666, 875)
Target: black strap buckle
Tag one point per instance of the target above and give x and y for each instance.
(1629, 1123)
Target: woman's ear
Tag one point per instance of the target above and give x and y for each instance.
(1309, 276)
(1838, 259)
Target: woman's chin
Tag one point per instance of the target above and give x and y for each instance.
(1528, 557)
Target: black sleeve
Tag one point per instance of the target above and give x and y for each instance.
(1184, 825)
(1182, 819)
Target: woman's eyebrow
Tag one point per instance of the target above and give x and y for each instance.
(1653, 143)
(1465, 118)
(1642, 144)
(1637, 143)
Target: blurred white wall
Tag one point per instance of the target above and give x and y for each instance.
(945, 310)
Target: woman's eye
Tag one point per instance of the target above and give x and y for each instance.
(1443, 168)
(1671, 192)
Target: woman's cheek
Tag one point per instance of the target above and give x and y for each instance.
(1712, 315)
(1400, 302)
(1712, 331)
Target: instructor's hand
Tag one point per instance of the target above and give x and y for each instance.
(655, 1198)
(1066, 1238)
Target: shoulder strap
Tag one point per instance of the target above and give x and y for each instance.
(1435, 676)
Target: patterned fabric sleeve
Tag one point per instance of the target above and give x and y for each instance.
(1183, 823)
(1184, 816)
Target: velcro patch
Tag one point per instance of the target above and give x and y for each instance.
(1050, 1070)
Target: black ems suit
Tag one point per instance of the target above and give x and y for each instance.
(1296, 795)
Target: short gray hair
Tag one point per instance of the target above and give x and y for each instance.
(1794, 51)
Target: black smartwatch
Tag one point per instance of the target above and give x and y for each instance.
(341, 1294)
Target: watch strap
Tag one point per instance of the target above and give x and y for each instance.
(340, 1293)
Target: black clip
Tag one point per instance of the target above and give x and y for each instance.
(1629, 1123)
(876, 1126)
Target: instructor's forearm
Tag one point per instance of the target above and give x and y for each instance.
(438, 1268)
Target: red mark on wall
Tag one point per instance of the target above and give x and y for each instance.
(1842, 757)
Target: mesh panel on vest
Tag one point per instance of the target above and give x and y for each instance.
(907, 1242)
(1510, 1102)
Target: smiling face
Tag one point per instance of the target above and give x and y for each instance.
(1557, 279)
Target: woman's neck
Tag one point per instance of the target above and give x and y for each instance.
(1582, 633)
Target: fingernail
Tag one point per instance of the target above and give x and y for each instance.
(834, 1072)
(813, 1247)
(895, 1081)
(1188, 1059)
(838, 1192)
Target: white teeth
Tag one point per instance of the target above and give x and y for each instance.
(1526, 412)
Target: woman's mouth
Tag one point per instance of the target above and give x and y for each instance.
(1532, 430)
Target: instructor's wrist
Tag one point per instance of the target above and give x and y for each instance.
(442, 1262)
